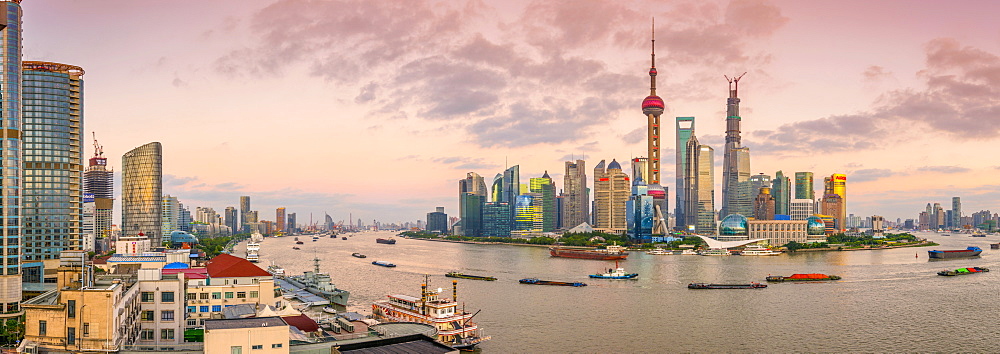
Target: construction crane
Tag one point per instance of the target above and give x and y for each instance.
(98, 149)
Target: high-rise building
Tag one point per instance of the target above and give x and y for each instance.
(956, 212)
(527, 215)
(52, 152)
(170, 215)
(10, 159)
(763, 205)
(437, 221)
(685, 131)
(232, 220)
(496, 188)
(184, 218)
(511, 184)
(279, 220)
(832, 206)
(800, 209)
(142, 191)
(291, 226)
(781, 189)
(704, 190)
(577, 199)
(938, 217)
(759, 181)
(98, 181)
(612, 188)
(496, 219)
(804, 188)
(471, 195)
(244, 214)
(836, 184)
(546, 190)
(737, 194)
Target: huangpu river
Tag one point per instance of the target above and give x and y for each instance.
(888, 300)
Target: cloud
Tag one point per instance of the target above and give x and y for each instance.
(367, 93)
(170, 180)
(870, 174)
(466, 163)
(875, 73)
(635, 136)
(944, 169)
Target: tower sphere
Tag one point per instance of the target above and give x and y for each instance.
(652, 105)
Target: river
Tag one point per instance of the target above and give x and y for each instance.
(888, 300)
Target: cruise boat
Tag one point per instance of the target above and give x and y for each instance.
(690, 252)
(454, 324)
(610, 253)
(660, 252)
(758, 250)
(319, 283)
(716, 252)
(253, 251)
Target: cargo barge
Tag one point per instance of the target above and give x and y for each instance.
(536, 281)
(726, 286)
(469, 276)
(384, 264)
(611, 253)
(963, 271)
(388, 241)
(802, 277)
(968, 252)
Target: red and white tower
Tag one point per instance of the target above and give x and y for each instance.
(652, 107)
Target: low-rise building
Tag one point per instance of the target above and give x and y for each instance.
(779, 232)
(264, 335)
(162, 308)
(226, 281)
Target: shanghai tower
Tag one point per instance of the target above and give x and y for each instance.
(736, 191)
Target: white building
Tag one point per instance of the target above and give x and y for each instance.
(802, 209)
(89, 233)
(162, 308)
(779, 232)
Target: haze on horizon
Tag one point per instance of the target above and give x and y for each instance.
(378, 108)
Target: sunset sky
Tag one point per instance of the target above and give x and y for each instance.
(378, 108)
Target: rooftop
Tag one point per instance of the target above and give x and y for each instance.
(224, 265)
(251, 322)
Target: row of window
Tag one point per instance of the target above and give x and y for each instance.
(238, 349)
(165, 334)
(165, 296)
(165, 315)
(218, 295)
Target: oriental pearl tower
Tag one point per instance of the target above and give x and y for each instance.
(652, 107)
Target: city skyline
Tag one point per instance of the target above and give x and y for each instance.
(400, 105)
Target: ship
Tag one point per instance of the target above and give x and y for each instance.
(617, 273)
(299, 242)
(253, 251)
(536, 281)
(388, 241)
(660, 252)
(802, 277)
(971, 251)
(358, 255)
(454, 325)
(319, 284)
(726, 286)
(757, 250)
(344, 238)
(469, 276)
(275, 270)
(963, 271)
(384, 264)
(716, 252)
(613, 252)
(978, 234)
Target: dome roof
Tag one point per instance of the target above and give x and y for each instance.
(177, 265)
(733, 225)
(614, 165)
(652, 102)
(816, 226)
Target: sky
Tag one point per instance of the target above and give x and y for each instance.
(377, 108)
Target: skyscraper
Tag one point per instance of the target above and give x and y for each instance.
(652, 107)
(98, 180)
(244, 214)
(232, 220)
(496, 219)
(496, 189)
(763, 205)
(956, 212)
(511, 184)
(10, 159)
(52, 205)
(292, 226)
(279, 220)
(612, 188)
(170, 215)
(471, 195)
(736, 191)
(437, 221)
(781, 189)
(804, 188)
(142, 191)
(527, 215)
(576, 209)
(759, 181)
(699, 185)
(836, 184)
(546, 190)
(685, 131)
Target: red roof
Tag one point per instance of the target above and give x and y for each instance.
(302, 322)
(227, 266)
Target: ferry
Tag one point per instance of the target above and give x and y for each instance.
(253, 251)
(617, 273)
(690, 252)
(716, 252)
(384, 264)
(971, 251)
(726, 286)
(610, 253)
(454, 325)
(963, 271)
(802, 277)
(388, 241)
(536, 281)
(469, 276)
(758, 250)
(660, 252)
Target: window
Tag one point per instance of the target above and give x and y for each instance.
(70, 335)
(216, 296)
(229, 294)
(42, 328)
(167, 315)
(86, 329)
(276, 345)
(192, 296)
(236, 349)
(167, 296)
(241, 295)
(203, 296)
(216, 308)
(167, 333)
(147, 316)
(192, 322)
(257, 346)
(203, 309)
(71, 308)
(147, 296)
(146, 334)
(192, 309)
(253, 294)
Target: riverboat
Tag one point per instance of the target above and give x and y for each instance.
(716, 252)
(388, 241)
(802, 277)
(978, 234)
(660, 252)
(971, 251)
(253, 251)
(610, 253)
(963, 271)
(358, 255)
(617, 273)
(454, 325)
(995, 246)
(344, 238)
(319, 284)
(726, 286)
(536, 281)
(758, 250)
(469, 276)
(384, 264)
(299, 243)
(690, 252)
(296, 248)
(275, 270)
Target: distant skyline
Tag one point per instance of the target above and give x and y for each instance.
(379, 108)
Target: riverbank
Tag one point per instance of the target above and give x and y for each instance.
(924, 243)
(484, 243)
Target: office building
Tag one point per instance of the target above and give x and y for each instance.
(88, 235)
(437, 221)
(836, 184)
(612, 188)
(699, 185)
(471, 194)
(832, 205)
(98, 181)
(781, 190)
(497, 219)
(142, 188)
(10, 158)
(576, 209)
(527, 216)
(170, 215)
(737, 194)
(232, 220)
(763, 205)
(801, 209)
(804, 188)
(291, 224)
(779, 232)
(546, 190)
(685, 131)
(244, 214)
(759, 181)
(956, 213)
(280, 224)
(52, 153)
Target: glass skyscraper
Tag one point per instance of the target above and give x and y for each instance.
(51, 190)
(142, 191)
(546, 189)
(804, 188)
(685, 130)
(10, 160)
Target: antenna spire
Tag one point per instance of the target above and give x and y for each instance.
(652, 60)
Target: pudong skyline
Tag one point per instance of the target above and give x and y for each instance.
(470, 119)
